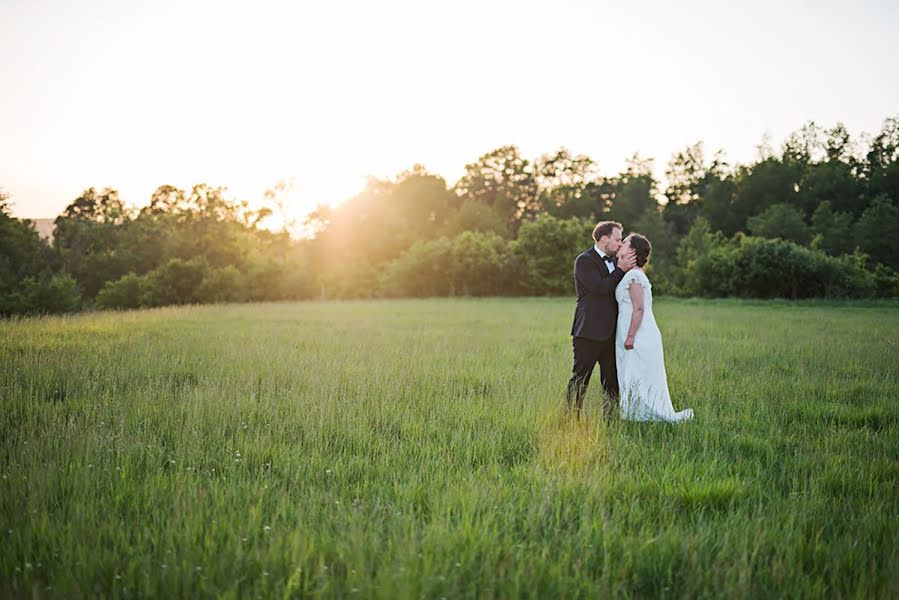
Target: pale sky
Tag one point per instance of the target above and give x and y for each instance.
(134, 95)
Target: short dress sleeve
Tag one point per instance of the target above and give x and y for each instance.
(638, 276)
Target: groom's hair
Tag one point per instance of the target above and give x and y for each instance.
(642, 248)
(605, 228)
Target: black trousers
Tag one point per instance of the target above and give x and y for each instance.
(586, 354)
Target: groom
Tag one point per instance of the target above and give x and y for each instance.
(596, 274)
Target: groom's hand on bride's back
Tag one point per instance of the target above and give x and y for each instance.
(627, 262)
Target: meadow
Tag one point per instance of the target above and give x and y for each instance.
(407, 449)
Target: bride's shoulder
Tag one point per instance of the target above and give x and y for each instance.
(637, 275)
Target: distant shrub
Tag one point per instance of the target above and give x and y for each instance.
(297, 283)
(470, 264)
(176, 282)
(262, 280)
(772, 268)
(193, 281)
(547, 247)
(124, 292)
(421, 271)
(225, 284)
(43, 294)
(886, 282)
(29, 283)
(481, 264)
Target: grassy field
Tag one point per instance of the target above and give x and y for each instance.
(420, 449)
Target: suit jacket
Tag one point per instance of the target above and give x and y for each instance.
(596, 313)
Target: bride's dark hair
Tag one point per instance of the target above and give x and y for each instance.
(642, 248)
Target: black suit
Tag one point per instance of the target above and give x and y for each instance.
(593, 329)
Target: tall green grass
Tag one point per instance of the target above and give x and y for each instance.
(420, 449)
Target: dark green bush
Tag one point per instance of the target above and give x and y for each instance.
(176, 282)
(772, 268)
(124, 292)
(44, 294)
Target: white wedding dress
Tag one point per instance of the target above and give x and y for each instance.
(641, 372)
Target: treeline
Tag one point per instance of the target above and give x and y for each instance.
(818, 218)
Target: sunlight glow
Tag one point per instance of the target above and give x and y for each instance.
(136, 95)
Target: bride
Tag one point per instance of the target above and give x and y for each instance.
(638, 346)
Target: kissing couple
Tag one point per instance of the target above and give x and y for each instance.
(614, 326)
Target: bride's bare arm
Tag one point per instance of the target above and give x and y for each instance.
(636, 293)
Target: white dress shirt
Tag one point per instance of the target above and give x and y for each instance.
(603, 255)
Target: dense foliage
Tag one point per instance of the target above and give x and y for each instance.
(819, 218)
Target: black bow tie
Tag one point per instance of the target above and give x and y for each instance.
(610, 259)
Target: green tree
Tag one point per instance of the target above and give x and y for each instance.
(763, 185)
(834, 182)
(47, 293)
(882, 162)
(481, 264)
(633, 192)
(27, 281)
(660, 233)
(781, 221)
(225, 284)
(87, 238)
(22, 252)
(176, 282)
(421, 199)
(475, 216)
(166, 200)
(420, 272)
(839, 146)
(805, 146)
(698, 242)
(719, 206)
(546, 248)
(567, 185)
(877, 231)
(504, 180)
(125, 292)
(209, 224)
(147, 241)
(774, 268)
(686, 175)
(833, 231)
(263, 281)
